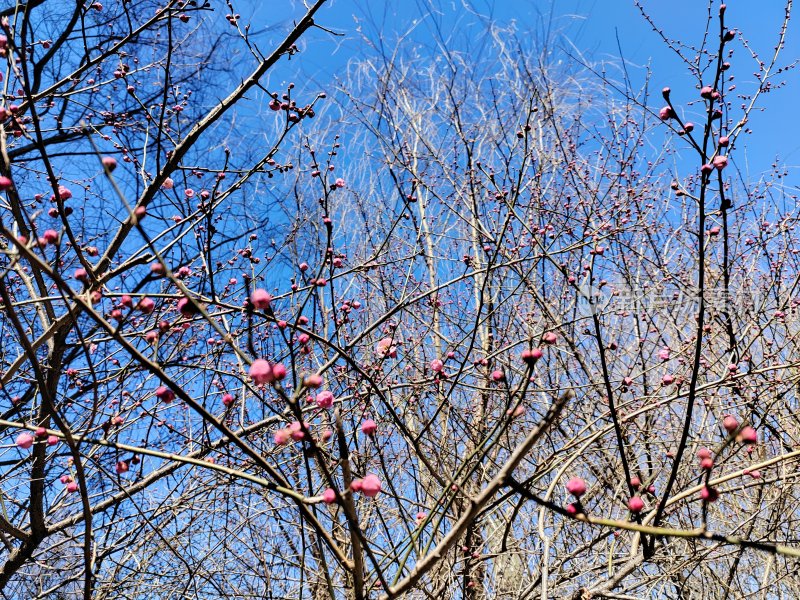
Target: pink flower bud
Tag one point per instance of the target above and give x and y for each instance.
(747, 435)
(278, 371)
(550, 338)
(709, 494)
(576, 486)
(324, 399)
(329, 496)
(730, 423)
(296, 430)
(187, 307)
(313, 381)
(703, 453)
(261, 372)
(282, 436)
(261, 299)
(369, 427)
(531, 356)
(666, 113)
(165, 394)
(146, 305)
(636, 504)
(370, 486)
(24, 440)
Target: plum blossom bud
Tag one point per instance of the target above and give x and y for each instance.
(313, 381)
(261, 372)
(370, 486)
(531, 356)
(636, 504)
(282, 437)
(165, 394)
(260, 299)
(369, 427)
(24, 440)
(730, 423)
(720, 162)
(576, 486)
(550, 338)
(747, 435)
(324, 399)
(709, 494)
(278, 371)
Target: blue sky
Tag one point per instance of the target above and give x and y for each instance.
(595, 29)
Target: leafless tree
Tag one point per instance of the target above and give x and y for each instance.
(477, 323)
